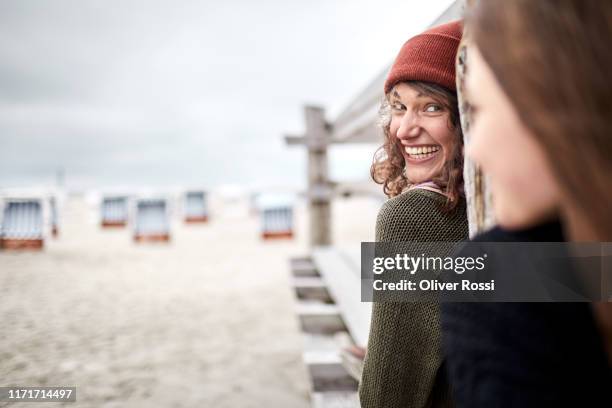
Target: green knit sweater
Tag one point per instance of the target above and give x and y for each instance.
(403, 365)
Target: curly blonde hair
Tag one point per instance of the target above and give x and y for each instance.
(388, 164)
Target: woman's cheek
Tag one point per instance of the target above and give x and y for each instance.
(393, 127)
(476, 148)
(441, 132)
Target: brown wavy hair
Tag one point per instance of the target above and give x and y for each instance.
(553, 61)
(388, 164)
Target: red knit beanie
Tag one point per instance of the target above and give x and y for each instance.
(428, 57)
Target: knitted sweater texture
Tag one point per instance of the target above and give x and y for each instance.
(404, 365)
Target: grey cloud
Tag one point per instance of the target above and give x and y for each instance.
(154, 92)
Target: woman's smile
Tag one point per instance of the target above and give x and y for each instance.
(421, 153)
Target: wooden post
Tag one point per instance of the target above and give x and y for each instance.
(316, 140)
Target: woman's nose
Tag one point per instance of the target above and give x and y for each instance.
(408, 128)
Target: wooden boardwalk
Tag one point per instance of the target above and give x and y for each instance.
(332, 316)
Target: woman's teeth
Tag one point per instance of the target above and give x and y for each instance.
(421, 152)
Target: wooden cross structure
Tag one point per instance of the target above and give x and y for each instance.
(319, 195)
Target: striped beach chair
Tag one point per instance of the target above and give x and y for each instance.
(195, 207)
(276, 215)
(114, 212)
(22, 224)
(151, 222)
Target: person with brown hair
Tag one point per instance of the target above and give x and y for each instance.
(541, 129)
(420, 166)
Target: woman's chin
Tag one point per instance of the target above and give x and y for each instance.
(513, 217)
(420, 172)
(416, 176)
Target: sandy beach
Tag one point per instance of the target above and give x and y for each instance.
(205, 321)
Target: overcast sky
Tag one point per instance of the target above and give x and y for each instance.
(152, 92)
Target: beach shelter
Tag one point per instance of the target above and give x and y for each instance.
(22, 224)
(276, 216)
(151, 220)
(114, 211)
(195, 206)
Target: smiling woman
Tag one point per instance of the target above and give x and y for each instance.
(420, 166)
(423, 140)
(541, 121)
(424, 125)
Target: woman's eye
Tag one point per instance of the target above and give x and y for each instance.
(433, 108)
(398, 106)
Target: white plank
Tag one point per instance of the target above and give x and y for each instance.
(340, 269)
(318, 317)
(320, 342)
(303, 267)
(327, 372)
(310, 288)
(307, 282)
(335, 399)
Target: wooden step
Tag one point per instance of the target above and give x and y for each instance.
(310, 288)
(319, 317)
(335, 399)
(303, 267)
(327, 372)
(322, 342)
